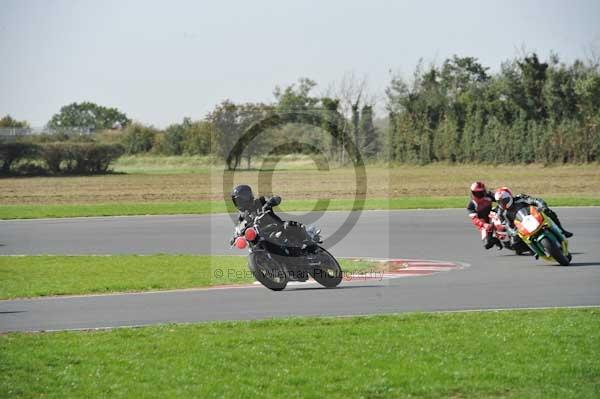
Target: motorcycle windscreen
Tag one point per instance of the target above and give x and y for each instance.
(527, 220)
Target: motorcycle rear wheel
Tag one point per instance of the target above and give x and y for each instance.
(329, 274)
(267, 271)
(555, 251)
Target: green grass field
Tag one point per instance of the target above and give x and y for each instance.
(31, 276)
(508, 354)
(207, 207)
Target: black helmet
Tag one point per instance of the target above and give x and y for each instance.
(242, 197)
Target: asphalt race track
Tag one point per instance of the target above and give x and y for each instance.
(494, 280)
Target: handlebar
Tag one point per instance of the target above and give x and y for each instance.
(262, 212)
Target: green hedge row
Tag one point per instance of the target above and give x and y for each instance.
(57, 158)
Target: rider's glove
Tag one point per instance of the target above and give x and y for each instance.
(274, 201)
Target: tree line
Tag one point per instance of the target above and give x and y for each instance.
(302, 117)
(530, 110)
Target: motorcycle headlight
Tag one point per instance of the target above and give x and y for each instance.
(250, 234)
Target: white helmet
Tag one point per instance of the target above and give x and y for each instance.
(504, 197)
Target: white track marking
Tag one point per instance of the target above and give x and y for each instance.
(516, 309)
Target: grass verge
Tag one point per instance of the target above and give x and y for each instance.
(31, 276)
(207, 207)
(509, 354)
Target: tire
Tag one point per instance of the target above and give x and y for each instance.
(267, 271)
(329, 274)
(555, 251)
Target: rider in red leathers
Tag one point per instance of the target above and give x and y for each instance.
(479, 208)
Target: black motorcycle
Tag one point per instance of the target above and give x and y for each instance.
(285, 251)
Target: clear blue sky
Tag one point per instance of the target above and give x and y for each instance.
(161, 61)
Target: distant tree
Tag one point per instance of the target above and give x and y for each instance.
(138, 138)
(198, 138)
(251, 113)
(13, 152)
(225, 120)
(356, 125)
(531, 110)
(230, 122)
(445, 143)
(368, 132)
(587, 89)
(353, 94)
(296, 97)
(459, 73)
(533, 74)
(332, 123)
(8, 121)
(174, 137)
(306, 120)
(87, 115)
(559, 92)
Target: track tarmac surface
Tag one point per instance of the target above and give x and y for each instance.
(494, 279)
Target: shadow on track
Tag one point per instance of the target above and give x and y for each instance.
(576, 264)
(345, 287)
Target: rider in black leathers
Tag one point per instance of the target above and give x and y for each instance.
(509, 205)
(244, 201)
(251, 207)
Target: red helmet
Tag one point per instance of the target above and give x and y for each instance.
(504, 197)
(478, 189)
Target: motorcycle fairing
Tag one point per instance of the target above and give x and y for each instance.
(545, 229)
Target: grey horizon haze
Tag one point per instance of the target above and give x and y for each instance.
(162, 61)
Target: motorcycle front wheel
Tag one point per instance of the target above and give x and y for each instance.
(554, 249)
(267, 271)
(328, 272)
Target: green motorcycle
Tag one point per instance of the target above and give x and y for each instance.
(544, 238)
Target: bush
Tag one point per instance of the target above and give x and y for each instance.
(198, 139)
(29, 169)
(190, 138)
(173, 140)
(12, 152)
(48, 137)
(53, 154)
(110, 136)
(81, 158)
(96, 158)
(138, 138)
